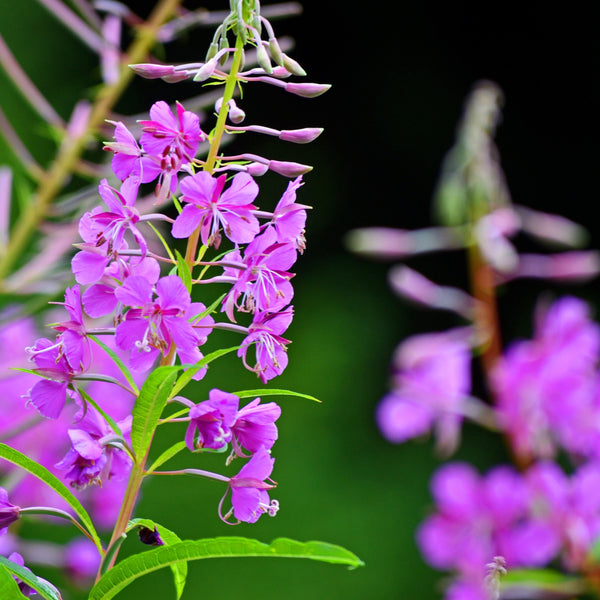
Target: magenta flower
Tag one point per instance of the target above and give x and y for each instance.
(210, 208)
(254, 427)
(249, 496)
(478, 518)
(270, 347)
(211, 421)
(9, 513)
(569, 506)
(81, 560)
(127, 157)
(96, 453)
(100, 300)
(289, 218)
(431, 383)
(27, 591)
(151, 326)
(264, 285)
(180, 134)
(547, 390)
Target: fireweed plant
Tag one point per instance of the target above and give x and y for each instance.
(80, 419)
(531, 528)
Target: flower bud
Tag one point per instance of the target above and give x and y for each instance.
(307, 90)
(288, 169)
(206, 70)
(301, 136)
(152, 71)
(9, 513)
(256, 169)
(292, 66)
(236, 114)
(262, 58)
(275, 51)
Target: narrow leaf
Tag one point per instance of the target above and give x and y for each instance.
(41, 586)
(9, 590)
(191, 370)
(133, 567)
(17, 458)
(111, 422)
(272, 392)
(167, 455)
(183, 270)
(179, 569)
(149, 406)
(122, 367)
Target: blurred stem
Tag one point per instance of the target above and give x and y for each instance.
(219, 130)
(71, 150)
(487, 322)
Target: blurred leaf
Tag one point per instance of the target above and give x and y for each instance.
(16, 458)
(9, 590)
(41, 586)
(133, 567)
(546, 581)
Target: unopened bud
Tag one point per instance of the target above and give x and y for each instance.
(176, 77)
(292, 66)
(152, 71)
(256, 169)
(288, 169)
(301, 136)
(206, 70)
(236, 114)
(262, 58)
(307, 90)
(275, 51)
(212, 51)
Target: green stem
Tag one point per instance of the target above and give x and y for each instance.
(219, 130)
(71, 149)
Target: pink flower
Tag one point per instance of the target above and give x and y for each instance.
(210, 208)
(249, 496)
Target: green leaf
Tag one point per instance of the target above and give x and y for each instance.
(191, 370)
(184, 272)
(272, 392)
(17, 458)
(111, 422)
(9, 590)
(122, 367)
(133, 567)
(149, 406)
(546, 582)
(41, 586)
(167, 455)
(180, 569)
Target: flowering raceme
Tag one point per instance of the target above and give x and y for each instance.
(544, 394)
(100, 393)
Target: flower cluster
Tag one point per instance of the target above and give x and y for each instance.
(544, 392)
(133, 338)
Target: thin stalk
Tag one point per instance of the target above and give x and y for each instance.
(71, 149)
(211, 159)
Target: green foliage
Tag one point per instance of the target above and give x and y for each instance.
(9, 590)
(149, 406)
(169, 538)
(41, 586)
(133, 567)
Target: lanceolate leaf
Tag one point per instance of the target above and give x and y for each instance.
(179, 569)
(191, 370)
(41, 586)
(272, 392)
(128, 570)
(122, 367)
(183, 270)
(9, 590)
(149, 406)
(16, 458)
(167, 455)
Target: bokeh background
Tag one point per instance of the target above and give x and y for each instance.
(400, 73)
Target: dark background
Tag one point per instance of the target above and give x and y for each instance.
(400, 73)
